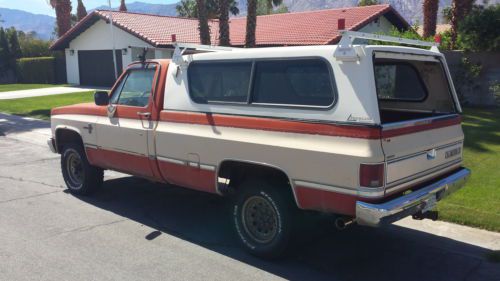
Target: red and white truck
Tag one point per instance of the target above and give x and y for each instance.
(369, 133)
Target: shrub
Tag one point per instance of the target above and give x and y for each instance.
(39, 70)
(480, 31)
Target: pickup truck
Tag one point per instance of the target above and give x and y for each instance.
(368, 133)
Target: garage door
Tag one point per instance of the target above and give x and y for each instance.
(97, 67)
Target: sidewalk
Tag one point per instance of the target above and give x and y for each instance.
(45, 92)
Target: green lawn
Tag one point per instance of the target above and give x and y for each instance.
(478, 203)
(17, 87)
(39, 107)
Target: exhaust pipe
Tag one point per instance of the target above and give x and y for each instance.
(342, 223)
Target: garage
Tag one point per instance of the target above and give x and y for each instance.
(96, 67)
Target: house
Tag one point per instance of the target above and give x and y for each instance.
(89, 44)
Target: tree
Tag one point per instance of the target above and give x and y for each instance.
(14, 46)
(123, 7)
(368, 2)
(251, 23)
(479, 31)
(430, 8)
(203, 22)
(188, 8)
(4, 50)
(251, 27)
(266, 7)
(81, 12)
(63, 15)
(224, 39)
(459, 9)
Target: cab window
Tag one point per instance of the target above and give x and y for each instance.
(135, 89)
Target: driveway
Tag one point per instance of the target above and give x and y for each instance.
(136, 230)
(45, 92)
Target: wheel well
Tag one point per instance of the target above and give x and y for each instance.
(65, 136)
(237, 171)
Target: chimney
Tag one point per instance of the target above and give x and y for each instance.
(341, 24)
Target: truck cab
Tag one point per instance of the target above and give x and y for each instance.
(370, 134)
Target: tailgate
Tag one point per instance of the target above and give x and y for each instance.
(417, 148)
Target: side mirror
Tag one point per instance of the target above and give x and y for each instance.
(101, 98)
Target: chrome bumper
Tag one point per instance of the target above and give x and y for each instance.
(52, 145)
(421, 200)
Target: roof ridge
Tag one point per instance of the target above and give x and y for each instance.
(319, 10)
(145, 14)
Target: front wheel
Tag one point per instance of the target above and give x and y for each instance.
(262, 217)
(80, 177)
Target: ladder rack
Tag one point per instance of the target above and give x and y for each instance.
(345, 50)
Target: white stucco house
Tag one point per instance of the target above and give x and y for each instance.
(89, 45)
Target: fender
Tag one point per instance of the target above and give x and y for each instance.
(255, 163)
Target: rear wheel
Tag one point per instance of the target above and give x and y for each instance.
(80, 177)
(262, 217)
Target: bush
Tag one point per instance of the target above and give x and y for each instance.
(480, 31)
(39, 70)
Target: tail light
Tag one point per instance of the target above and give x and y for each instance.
(371, 175)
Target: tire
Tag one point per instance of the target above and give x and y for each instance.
(80, 177)
(262, 217)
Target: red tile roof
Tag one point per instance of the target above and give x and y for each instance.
(302, 28)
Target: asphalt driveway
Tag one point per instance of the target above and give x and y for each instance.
(136, 230)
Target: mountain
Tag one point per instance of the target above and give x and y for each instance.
(146, 8)
(43, 25)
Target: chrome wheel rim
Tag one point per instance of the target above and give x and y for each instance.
(260, 219)
(74, 167)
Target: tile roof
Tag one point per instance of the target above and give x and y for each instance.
(301, 28)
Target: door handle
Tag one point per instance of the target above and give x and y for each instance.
(144, 114)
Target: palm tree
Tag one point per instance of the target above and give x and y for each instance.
(224, 39)
(81, 12)
(252, 19)
(63, 15)
(459, 9)
(430, 8)
(123, 7)
(203, 22)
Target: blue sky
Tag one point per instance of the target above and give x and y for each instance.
(41, 6)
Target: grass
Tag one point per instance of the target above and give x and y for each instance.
(478, 203)
(39, 107)
(17, 87)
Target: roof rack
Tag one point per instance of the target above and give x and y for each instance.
(180, 48)
(346, 52)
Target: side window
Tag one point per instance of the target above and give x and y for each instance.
(399, 82)
(293, 82)
(219, 81)
(135, 89)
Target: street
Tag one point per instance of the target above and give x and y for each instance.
(133, 229)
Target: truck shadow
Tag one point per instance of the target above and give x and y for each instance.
(319, 252)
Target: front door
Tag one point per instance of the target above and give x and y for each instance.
(122, 136)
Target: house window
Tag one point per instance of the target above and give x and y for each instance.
(302, 82)
(219, 81)
(399, 81)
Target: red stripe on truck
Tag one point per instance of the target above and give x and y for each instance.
(429, 125)
(271, 124)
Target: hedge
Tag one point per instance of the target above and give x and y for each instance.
(40, 70)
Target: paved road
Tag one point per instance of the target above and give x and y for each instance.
(136, 230)
(44, 92)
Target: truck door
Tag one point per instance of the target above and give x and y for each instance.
(122, 136)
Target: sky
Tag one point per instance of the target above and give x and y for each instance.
(42, 6)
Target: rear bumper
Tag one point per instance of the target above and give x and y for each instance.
(417, 201)
(52, 145)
